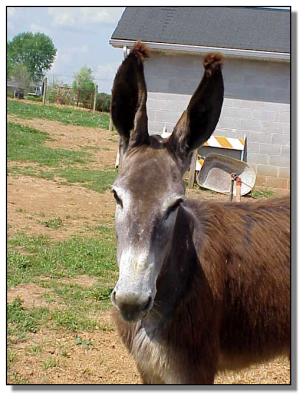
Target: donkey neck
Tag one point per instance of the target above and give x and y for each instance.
(179, 267)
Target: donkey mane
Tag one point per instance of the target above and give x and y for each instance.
(221, 270)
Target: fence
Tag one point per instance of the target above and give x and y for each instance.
(64, 94)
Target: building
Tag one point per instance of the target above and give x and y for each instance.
(256, 44)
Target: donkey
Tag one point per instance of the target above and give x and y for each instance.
(203, 286)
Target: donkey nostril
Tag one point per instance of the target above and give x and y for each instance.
(113, 297)
(147, 305)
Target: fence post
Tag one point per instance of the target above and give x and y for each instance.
(78, 98)
(238, 189)
(192, 169)
(45, 85)
(110, 127)
(95, 98)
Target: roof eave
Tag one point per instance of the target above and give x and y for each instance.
(190, 49)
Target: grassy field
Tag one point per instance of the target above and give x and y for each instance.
(52, 265)
(66, 115)
(29, 145)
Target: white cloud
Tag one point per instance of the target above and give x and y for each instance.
(70, 16)
(63, 16)
(67, 56)
(11, 11)
(106, 71)
(11, 19)
(39, 28)
(104, 75)
(101, 14)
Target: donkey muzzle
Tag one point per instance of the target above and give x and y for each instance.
(132, 306)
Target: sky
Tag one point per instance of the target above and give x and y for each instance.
(80, 35)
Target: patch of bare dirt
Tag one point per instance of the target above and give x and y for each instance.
(98, 358)
(81, 280)
(33, 201)
(101, 358)
(276, 371)
(102, 143)
(31, 296)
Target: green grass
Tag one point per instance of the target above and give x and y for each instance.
(11, 357)
(262, 194)
(50, 362)
(79, 341)
(28, 144)
(18, 379)
(66, 115)
(53, 223)
(96, 180)
(73, 320)
(35, 349)
(22, 321)
(30, 257)
(79, 307)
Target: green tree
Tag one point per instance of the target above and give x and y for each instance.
(103, 102)
(84, 86)
(34, 50)
(21, 76)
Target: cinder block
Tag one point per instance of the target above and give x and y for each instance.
(157, 104)
(272, 126)
(280, 183)
(258, 158)
(166, 116)
(263, 138)
(285, 150)
(261, 180)
(283, 116)
(267, 170)
(285, 128)
(283, 172)
(280, 138)
(252, 124)
(252, 147)
(233, 123)
(280, 160)
(271, 149)
(264, 115)
(236, 112)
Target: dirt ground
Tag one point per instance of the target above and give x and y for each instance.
(105, 360)
(31, 201)
(72, 137)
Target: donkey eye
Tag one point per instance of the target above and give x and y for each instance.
(172, 208)
(117, 198)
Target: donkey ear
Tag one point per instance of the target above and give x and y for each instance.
(198, 122)
(129, 97)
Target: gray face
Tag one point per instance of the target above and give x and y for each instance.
(148, 192)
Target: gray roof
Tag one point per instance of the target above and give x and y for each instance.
(250, 28)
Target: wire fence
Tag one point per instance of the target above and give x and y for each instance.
(65, 94)
(54, 90)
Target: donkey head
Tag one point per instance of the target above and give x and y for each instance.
(149, 188)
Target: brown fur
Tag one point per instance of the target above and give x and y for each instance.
(212, 61)
(141, 50)
(234, 305)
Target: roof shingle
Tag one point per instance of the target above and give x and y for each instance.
(250, 28)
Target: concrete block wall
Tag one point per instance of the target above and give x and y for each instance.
(256, 104)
